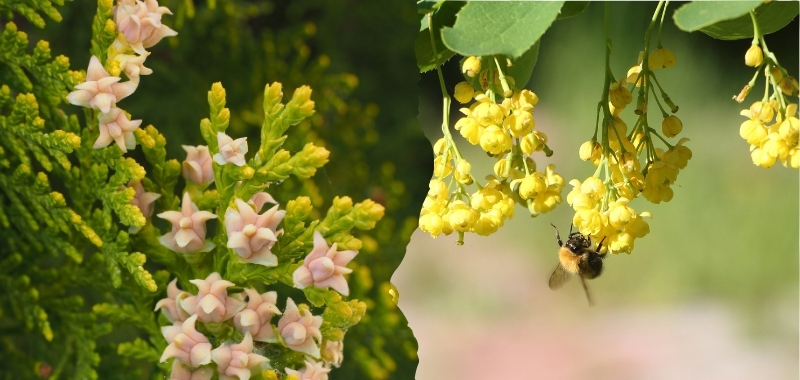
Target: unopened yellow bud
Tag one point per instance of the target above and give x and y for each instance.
(519, 123)
(463, 92)
(671, 126)
(471, 66)
(532, 185)
(442, 167)
(754, 57)
(440, 147)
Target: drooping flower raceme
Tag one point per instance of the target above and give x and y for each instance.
(324, 267)
(230, 150)
(100, 91)
(235, 361)
(299, 329)
(197, 167)
(212, 304)
(312, 371)
(140, 23)
(252, 235)
(188, 228)
(254, 319)
(115, 126)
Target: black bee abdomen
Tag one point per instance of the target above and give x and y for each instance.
(592, 266)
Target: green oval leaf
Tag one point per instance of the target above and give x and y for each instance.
(700, 14)
(508, 28)
(771, 18)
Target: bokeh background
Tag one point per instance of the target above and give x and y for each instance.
(710, 293)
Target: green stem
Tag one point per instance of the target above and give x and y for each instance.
(661, 25)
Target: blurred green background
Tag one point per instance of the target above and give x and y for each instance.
(711, 292)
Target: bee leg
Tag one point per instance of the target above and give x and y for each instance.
(600, 246)
(586, 290)
(558, 236)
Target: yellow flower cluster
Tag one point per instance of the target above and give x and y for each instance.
(505, 129)
(771, 142)
(618, 224)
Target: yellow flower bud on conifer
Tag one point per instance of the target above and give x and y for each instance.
(463, 92)
(671, 126)
(471, 66)
(754, 57)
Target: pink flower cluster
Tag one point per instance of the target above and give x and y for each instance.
(251, 314)
(139, 25)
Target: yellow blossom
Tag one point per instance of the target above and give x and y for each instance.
(486, 198)
(442, 167)
(470, 129)
(637, 226)
(463, 92)
(488, 113)
(462, 174)
(532, 142)
(619, 213)
(620, 243)
(471, 66)
(431, 223)
(661, 58)
(440, 147)
(519, 123)
(437, 189)
(671, 126)
(588, 221)
(461, 217)
(532, 185)
(754, 57)
(495, 141)
(593, 187)
(619, 95)
(486, 225)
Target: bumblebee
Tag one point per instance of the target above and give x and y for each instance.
(577, 257)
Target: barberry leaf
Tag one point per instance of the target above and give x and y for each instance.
(444, 15)
(731, 20)
(572, 9)
(508, 28)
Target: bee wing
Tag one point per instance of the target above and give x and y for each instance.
(586, 290)
(559, 277)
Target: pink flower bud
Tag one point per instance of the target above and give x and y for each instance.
(188, 228)
(100, 91)
(312, 371)
(230, 150)
(140, 23)
(189, 346)
(212, 304)
(235, 361)
(252, 235)
(197, 166)
(256, 316)
(324, 267)
(299, 330)
(170, 306)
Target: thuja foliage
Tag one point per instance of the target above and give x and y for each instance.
(86, 265)
(641, 161)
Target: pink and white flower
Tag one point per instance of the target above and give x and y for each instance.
(115, 126)
(230, 150)
(252, 235)
(188, 228)
(180, 372)
(324, 267)
(312, 371)
(142, 199)
(133, 65)
(170, 306)
(300, 329)
(212, 304)
(100, 91)
(189, 346)
(140, 23)
(254, 319)
(235, 361)
(197, 166)
(333, 352)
